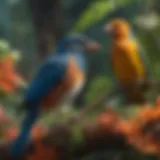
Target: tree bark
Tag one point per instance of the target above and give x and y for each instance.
(48, 22)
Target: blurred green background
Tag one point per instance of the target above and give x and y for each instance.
(87, 16)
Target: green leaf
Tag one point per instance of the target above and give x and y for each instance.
(96, 12)
(89, 18)
(98, 85)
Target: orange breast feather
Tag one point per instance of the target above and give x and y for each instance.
(73, 76)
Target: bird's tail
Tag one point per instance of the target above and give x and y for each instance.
(20, 144)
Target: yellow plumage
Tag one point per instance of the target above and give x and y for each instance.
(127, 64)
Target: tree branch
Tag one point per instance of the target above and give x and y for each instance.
(59, 143)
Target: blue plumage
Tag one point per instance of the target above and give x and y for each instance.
(48, 76)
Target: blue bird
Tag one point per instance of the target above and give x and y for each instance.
(60, 77)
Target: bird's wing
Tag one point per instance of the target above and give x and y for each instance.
(142, 55)
(49, 76)
(145, 61)
(132, 56)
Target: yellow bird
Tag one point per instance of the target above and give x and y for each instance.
(128, 65)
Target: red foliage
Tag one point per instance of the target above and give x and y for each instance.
(108, 120)
(38, 131)
(141, 131)
(144, 129)
(9, 79)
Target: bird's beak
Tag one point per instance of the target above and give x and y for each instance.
(108, 29)
(92, 46)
